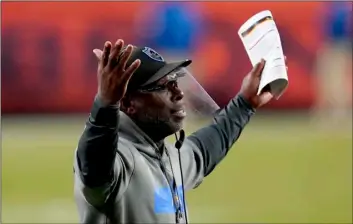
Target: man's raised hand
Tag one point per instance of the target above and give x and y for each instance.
(113, 75)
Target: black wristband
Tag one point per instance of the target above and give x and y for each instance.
(104, 115)
(243, 102)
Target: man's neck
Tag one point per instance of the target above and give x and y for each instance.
(154, 133)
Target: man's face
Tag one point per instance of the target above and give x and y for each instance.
(160, 106)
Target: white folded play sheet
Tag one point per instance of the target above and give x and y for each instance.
(261, 39)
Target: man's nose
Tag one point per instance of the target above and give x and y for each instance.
(177, 95)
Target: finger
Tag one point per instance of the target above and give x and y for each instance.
(98, 53)
(265, 97)
(131, 69)
(257, 69)
(124, 58)
(106, 51)
(113, 59)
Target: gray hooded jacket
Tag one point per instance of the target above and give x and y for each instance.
(121, 176)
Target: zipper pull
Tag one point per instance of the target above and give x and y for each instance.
(179, 216)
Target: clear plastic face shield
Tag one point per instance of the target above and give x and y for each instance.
(198, 103)
(199, 106)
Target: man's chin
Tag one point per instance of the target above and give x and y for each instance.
(176, 126)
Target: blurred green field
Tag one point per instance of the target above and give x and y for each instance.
(281, 170)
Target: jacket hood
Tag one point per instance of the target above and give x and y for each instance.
(129, 130)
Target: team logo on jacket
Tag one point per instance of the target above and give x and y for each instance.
(163, 200)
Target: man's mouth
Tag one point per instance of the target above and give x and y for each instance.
(181, 113)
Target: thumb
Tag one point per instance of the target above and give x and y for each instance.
(98, 53)
(257, 69)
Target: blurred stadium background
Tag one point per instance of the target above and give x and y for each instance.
(293, 163)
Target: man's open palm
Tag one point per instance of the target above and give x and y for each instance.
(113, 76)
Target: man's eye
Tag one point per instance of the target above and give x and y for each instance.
(173, 84)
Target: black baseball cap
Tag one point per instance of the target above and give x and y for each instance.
(152, 68)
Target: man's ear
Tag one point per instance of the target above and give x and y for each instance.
(127, 105)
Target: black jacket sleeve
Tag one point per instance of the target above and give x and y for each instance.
(215, 140)
(97, 146)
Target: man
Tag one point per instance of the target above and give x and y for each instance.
(333, 103)
(124, 171)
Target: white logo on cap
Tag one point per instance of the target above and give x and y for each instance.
(152, 54)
